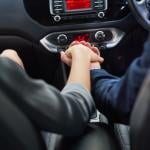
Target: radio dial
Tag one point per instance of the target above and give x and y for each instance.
(62, 39)
(100, 35)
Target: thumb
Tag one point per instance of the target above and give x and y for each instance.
(97, 58)
(101, 59)
(65, 59)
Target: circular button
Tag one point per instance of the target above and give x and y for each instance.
(62, 39)
(101, 14)
(57, 18)
(100, 35)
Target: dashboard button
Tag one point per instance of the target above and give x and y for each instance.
(100, 35)
(57, 18)
(101, 14)
(62, 39)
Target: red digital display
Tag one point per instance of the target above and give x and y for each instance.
(82, 37)
(77, 4)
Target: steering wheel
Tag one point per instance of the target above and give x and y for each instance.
(141, 10)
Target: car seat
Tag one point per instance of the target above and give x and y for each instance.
(16, 131)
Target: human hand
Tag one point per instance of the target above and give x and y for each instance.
(79, 51)
(64, 58)
(94, 65)
(12, 54)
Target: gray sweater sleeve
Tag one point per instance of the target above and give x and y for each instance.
(65, 112)
(82, 96)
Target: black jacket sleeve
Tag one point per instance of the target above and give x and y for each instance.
(64, 113)
(115, 97)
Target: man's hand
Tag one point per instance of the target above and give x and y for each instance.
(12, 54)
(94, 65)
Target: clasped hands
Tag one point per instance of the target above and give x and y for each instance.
(82, 50)
(77, 50)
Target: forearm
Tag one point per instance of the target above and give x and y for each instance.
(80, 72)
(49, 109)
(105, 90)
(116, 97)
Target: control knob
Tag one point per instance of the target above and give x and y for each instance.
(57, 18)
(101, 14)
(100, 35)
(62, 39)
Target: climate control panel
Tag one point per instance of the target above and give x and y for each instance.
(105, 37)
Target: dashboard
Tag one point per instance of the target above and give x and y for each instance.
(78, 13)
(30, 27)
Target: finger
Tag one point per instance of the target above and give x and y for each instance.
(74, 43)
(96, 50)
(92, 45)
(101, 59)
(86, 44)
(83, 42)
(65, 59)
(68, 53)
(95, 57)
(98, 58)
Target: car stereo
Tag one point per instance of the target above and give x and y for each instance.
(77, 9)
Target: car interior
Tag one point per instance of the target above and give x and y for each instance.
(40, 29)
